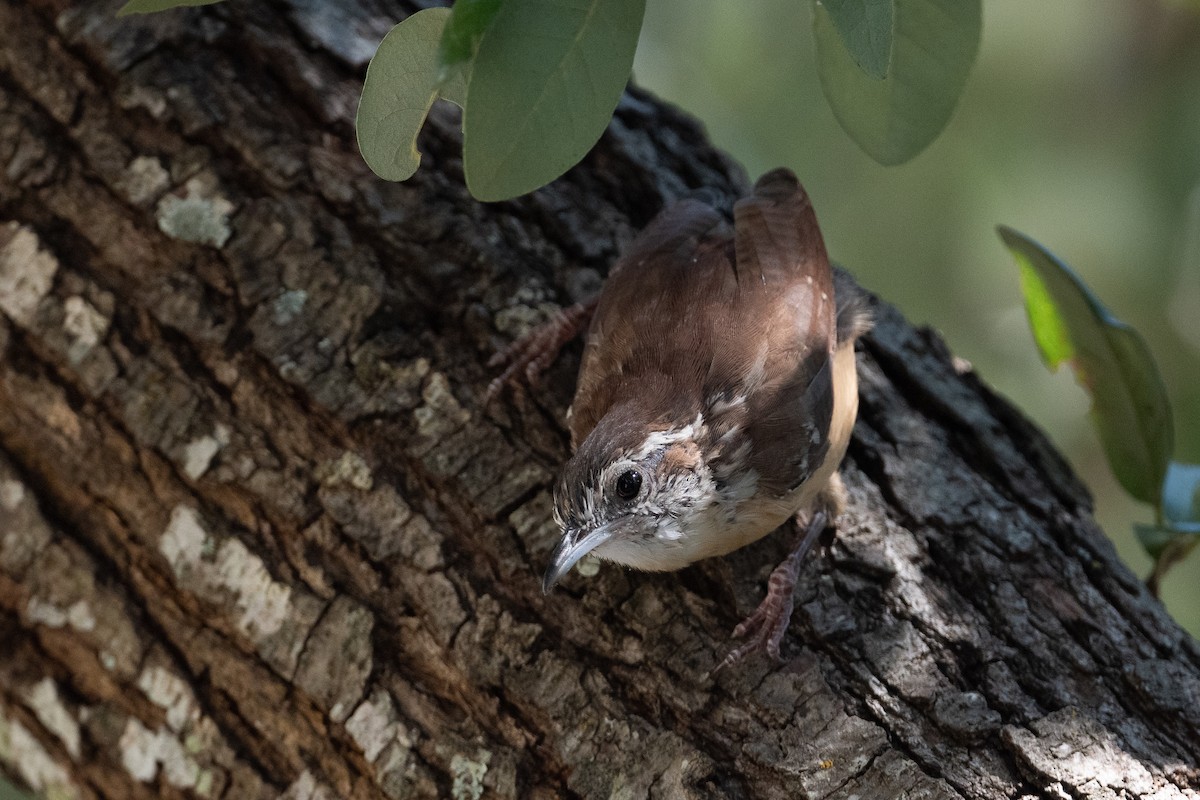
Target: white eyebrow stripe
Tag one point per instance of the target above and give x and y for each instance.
(658, 440)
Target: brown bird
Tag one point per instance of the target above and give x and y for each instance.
(716, 396)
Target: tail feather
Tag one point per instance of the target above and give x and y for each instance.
(776, 233)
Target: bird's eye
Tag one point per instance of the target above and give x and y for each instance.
(629, 484)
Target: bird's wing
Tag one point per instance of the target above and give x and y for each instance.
(786, 290)
(639, 304)
(671, 236)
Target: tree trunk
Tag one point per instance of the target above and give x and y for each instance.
(259, 537)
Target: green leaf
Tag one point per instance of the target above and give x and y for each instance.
(1111, 361)
(465, 28)
(865, 28)
(402, 83)
(1181, 498)
(468, 21)
(452, 83)
(933, 45)
(150, 6)
(544, 83)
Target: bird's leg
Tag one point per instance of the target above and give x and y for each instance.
(770, 620)
(537, 349)
(767, 625)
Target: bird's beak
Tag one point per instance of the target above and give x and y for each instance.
(573, 546)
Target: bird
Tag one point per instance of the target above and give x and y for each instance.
(716, 395)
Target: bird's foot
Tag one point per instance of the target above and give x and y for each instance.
(531, 354)
(769, 622)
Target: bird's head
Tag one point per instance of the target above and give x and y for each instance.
(630, 493)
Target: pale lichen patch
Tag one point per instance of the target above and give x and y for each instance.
(84, 325)
(26, 272)
(588, 566)
(170, 693)
(406, 380)
(145, 752)
(138, 751)
(264, 603)
(516, 321)
(205, 783)
(223, 570)
(11, 494)
(441, 413)
(199, 214)
(183, 750)
(24, 755)
(183, 542)
(467, 775)
(78, 615)
(199, 453)
(133, 95)
(288, 305)
(43, 700)
(306, 787)
(347, 469)
(144, 180)
(374, 726)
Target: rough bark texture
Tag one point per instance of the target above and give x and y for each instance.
(259, 539)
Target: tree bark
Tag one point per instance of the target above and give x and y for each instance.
(259, 537)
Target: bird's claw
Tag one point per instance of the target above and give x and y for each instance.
(769, 622)
(533, 352)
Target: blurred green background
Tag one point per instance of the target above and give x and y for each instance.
(1080, 126)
